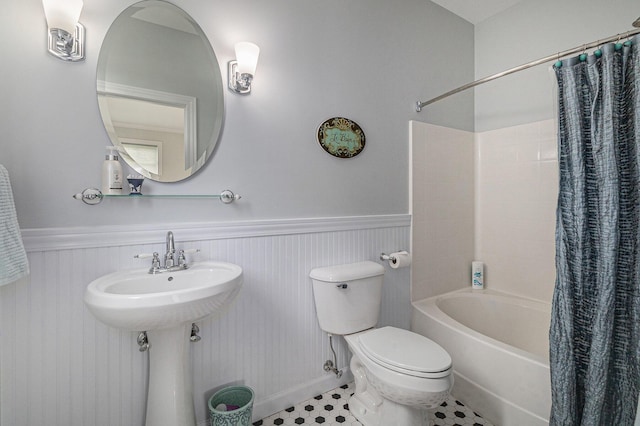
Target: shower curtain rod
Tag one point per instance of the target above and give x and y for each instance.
(555, 56)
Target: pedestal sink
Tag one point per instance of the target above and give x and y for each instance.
(165, 305)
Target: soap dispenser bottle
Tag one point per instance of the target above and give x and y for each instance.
(111, 173)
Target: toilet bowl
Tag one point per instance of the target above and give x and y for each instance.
(398, 374)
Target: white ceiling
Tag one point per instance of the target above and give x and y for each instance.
(475, 11)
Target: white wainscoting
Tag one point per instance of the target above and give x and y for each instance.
(61, 367)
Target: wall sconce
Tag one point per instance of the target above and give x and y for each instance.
(66, 34)
(241, 70)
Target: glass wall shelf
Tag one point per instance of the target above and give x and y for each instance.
(94, 196)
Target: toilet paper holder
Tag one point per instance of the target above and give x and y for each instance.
(398, 259)
(384, 256)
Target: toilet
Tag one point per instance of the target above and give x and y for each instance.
(398, 374)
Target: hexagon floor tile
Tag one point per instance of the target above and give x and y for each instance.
(332, 409)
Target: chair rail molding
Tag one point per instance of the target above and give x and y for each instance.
(47, 239)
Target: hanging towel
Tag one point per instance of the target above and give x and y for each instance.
(13, 262)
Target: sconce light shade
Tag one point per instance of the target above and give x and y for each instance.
(242, 70)
(66, 34)
(247, 57)
(62, 14)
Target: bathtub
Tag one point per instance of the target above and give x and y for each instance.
(500, 349)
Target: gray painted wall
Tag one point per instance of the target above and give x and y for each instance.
(368, 60)
(531, 30)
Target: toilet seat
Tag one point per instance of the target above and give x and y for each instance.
(405, 352)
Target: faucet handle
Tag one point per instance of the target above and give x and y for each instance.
(145, 255)
(155, 262)
(182, 260)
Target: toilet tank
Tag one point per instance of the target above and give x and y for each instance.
(347, 297)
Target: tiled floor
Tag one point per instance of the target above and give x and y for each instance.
(332, 409)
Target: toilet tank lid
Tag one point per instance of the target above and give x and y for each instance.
(348, 272)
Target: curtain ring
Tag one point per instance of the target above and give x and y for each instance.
(558, 63)
(618, 45)
(583, 55)
(598, 52)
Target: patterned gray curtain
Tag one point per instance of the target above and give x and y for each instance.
(595, 324)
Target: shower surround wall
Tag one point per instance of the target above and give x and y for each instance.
(63, 367)
(442, 205)
(516, 196)
(512, 175)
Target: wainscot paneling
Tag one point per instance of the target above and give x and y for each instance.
(62, 367)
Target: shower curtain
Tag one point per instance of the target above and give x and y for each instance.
(595, 324)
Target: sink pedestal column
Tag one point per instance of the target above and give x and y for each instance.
(170, 394)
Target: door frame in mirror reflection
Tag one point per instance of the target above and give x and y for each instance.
(157, 99)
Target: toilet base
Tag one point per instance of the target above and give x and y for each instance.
(371, 409)
(388, 413)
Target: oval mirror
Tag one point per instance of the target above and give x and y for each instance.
(160, 91)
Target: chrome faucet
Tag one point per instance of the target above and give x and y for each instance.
(170, 262)
(171, 249)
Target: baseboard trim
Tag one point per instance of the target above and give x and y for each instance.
(280, 401)
(290, 397)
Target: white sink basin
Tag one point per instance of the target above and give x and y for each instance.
(138, 301)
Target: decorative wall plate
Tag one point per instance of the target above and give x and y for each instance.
(341, 137)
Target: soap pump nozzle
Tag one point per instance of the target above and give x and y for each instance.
(112, 153)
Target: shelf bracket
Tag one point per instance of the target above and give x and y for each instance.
(91, 196)
(228, 197)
